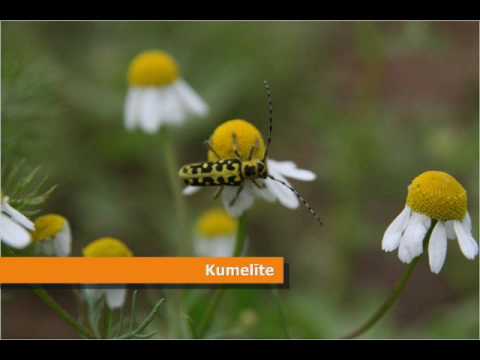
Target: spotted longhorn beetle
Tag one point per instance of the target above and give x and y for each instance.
(235, 171)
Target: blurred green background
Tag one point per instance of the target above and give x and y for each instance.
(366, 105)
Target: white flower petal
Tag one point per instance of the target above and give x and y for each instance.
(468, 245)
(289, 169)
(13, 234)
(411, 243)
(63, 241)
(115, 297)
(161, 99)
(150, 110)
(173, 112)
(263, 193)
(391, 238)
(92, 293)
(189, 190)
(18, 217)
(426, 221)
(403, 253)
(467, 222)
(286, 197)
(437, 247)
(449, 230)
(131, 110)
(244, 201)
(191, 101)
(46, 247)
(221, 246)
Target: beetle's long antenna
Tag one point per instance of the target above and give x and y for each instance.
(270, 117)
(299, 196)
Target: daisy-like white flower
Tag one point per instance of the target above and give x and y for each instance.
(15, 227)
(433, 195)
(215, 233)
(157, 94)
(107, 247)
(248, 136)
(53, 235)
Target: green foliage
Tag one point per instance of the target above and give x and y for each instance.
(26, 189)
(105, 324)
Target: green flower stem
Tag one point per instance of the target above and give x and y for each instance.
(281, 311)
(61, 312)
(394, 295)
(218, 293)
(209, 313)
(241, 236)
(179, 201)
(133, 308)
(183, 245)
(108, 321)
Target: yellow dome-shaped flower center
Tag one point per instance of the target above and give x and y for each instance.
(48, 226)
(153, 68)
(438, 195)
(107, 247)
(216, 222)
(247, 137)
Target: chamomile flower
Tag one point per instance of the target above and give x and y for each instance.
(248, 136)
(215, 233)
(15, 227)
(433, 195)
(157, 93)
(107, 247)
(53, 235)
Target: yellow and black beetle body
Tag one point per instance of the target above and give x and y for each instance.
(226, 172)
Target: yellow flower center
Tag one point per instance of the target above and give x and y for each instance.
(216, 222)
(107, 247)
(48, 226)
(247, 137)
(438, 195)
(153, 68)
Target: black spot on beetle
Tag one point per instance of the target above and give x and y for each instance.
(206, 168)
(207, 180)
(232, 180)
(233, 165)
(221, 180)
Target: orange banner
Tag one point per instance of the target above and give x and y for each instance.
(141, 270)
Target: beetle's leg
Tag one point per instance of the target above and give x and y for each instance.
(218, 192)
(261, 187)
(210, 147)
(235, 146)
(254, 149)
(237, 194)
